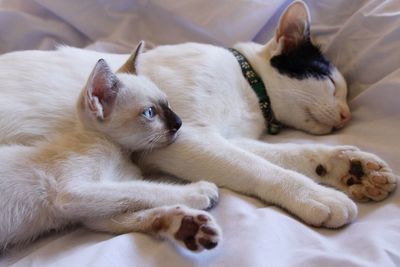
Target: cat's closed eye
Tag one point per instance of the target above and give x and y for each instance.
(149, 113)
(334, 85)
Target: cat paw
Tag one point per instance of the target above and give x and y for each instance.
(201, 195)
(326, 207)
(362, 175)
(193, 229)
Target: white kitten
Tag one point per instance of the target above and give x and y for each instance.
(84, 174)
(222, 118)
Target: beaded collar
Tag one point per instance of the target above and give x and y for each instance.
(273, 125)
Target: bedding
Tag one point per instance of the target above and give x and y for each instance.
(362, 37)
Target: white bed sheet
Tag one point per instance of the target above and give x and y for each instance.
(361, 37)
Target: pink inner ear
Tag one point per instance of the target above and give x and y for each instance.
(293, 26)
(294, 35)
(103, 85)
(100, 85)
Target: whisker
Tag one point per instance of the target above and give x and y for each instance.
(152, 141)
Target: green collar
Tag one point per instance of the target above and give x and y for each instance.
(273, 125)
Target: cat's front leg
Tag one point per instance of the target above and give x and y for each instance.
(193, 229)
(204, 154)
(362, 175)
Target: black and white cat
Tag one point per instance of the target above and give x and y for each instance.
(221, 115)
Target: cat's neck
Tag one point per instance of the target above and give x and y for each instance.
(259, 56)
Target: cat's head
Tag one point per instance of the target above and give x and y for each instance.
(126, 107)
(307, 91)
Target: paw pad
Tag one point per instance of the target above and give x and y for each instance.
(320, 170)
(356, 168)
(195, 231)
(367, 177)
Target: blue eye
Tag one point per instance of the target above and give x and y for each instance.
(149, 113)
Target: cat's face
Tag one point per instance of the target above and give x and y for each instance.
(315, 105)
(310, 91)
(142, 118)
(128, 108)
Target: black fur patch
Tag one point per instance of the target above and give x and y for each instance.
(305, 61)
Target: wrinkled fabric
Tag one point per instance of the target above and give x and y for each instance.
(361, 37)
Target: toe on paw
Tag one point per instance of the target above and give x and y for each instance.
(190, 243)
(208, 230)
(357, 194)
(373, 166)
(375, 193)
(207, 243)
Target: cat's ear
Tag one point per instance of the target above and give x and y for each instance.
(294, 27)
(101, 90)
(131, 65)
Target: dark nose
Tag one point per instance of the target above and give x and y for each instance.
(173, 121)
(177, 123)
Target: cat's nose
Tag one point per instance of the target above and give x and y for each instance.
(177, 124)
(173, 122)
(345, 116)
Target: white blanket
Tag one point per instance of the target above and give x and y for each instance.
(361, 37)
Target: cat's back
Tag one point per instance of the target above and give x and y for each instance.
(184, 66)
(38, 91)
(204, 84)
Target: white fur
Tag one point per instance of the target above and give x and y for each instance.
(84, 174)
(220, 114)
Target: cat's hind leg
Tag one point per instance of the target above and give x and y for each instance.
(95, 199)
(193, 229)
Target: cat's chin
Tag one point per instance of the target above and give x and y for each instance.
(318, 129)
(316, 126)
(172, 138)
(321, 131)
(168, 140)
